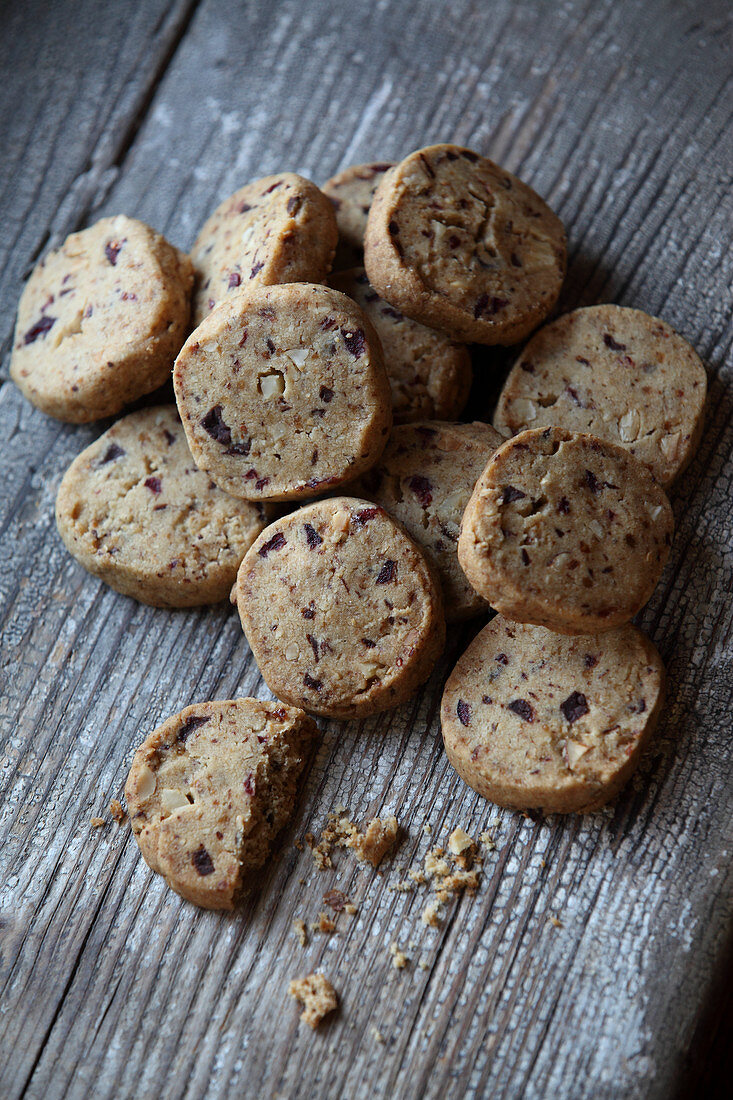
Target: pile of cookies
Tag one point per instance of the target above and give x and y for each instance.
(314, 460)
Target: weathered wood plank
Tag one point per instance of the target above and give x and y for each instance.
(114, 986)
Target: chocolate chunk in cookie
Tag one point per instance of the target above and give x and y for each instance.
(618, 374)
(209, 790)
(537, 720)
(101, 320)
(424, 479)
(280, 229)
(135, 511)
(429, 374)
(461, 245)
(341, 609)
(283, 392)
(565, 531)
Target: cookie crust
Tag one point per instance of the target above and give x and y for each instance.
(565, 531)
(341, 609)
(532, 719)
(459, 244)
(618, 374)
(100, 320)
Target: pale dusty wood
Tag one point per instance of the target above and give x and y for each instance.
(619, 114)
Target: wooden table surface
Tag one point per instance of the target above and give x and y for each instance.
(619, 113)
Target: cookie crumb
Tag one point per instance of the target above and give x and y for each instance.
(399, 958)
(424, 964)
(324, 924)
(377, 1034)
(117, 812)
(300, 930)
(351, 909)
(427, 828)
(431, 914)
(402, 887)
(98, 822)
(370, 846)
(555, 922)
(317, 996)
(459, 841)
(487, 839)
(337, 900)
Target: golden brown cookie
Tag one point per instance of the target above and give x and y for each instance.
(424, 479)
(537, 720)
(209, 790)
(615, 373)
(341, 609)
(283, 392)
(135, 511)
(565, 531)
(351, 193)
(429, 374)
(280, 229)
(101, 320)
(459, 244)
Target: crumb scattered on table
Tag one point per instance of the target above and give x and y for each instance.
(399, 958)
(370, 846)
(317, 996)
(300, 930)
(555, 922)
(118, 813)
(378, 1037)
(324, 924)
(98, 822)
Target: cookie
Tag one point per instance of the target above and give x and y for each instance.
(618, 374)
(283, 392)
(101, 320)
(351, 193)
(135, 511)
(429, 374)
(424, 479)
(537, 720)
(459, 244)
(341, 609)
(209, 790)
(280, 229)
(565, 531)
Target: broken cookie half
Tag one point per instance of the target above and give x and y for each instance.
(209, 790)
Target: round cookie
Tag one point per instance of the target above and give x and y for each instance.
(459, 244)
(283, 392)
(424, 479)
(618, 374)
(429, 375)
(280, 229)
(135, 511)
(536, 720)
(100, 320)
(565, 531)
(351, 193)
(341, 609)
(209, 790)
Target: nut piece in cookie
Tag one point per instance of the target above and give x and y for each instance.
(615, 373)
(283, 393)
(537, 720)
(565, 531)
(424, 479)
(209, 790)
(280, 229)
(100, 320)
(317, 996)
(429, 374)
(461, 245)
(341, 609)
(351, 193)
(134, 510)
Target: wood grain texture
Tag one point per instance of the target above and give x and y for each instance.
(619, 114)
